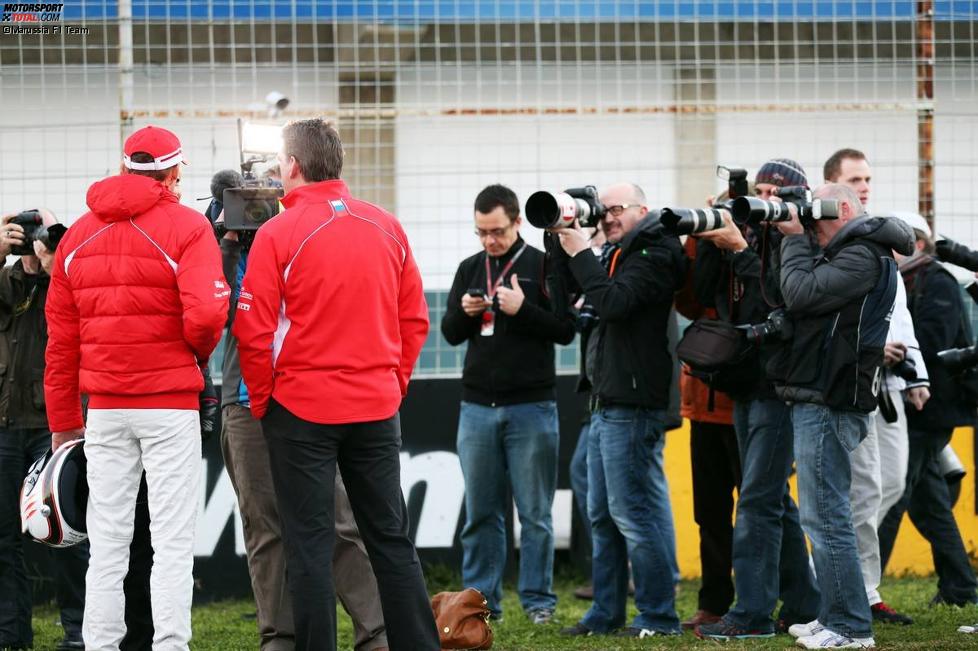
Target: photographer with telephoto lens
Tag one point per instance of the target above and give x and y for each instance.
(737, 273)
(24, 433)
(629, 367)
(838, 279)
(941, 322)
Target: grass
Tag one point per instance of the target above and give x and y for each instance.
(224, 626)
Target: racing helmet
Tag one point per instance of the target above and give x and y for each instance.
(55, 496)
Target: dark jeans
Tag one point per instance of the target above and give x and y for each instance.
(770, 555)
(578, 478)
(716, 474)
(19, 448)
(139, 609)
(928, 502)
(303, 459)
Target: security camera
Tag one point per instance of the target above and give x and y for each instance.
(276, 102)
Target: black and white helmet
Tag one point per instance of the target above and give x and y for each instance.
(55, 496)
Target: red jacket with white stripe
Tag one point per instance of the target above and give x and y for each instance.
(331, 316)
(137, 300)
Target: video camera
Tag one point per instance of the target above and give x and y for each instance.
(35, 230)
(252, 204)
(561, 210)
(751, 210)
(687, 221)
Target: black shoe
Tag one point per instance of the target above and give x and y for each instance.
(577, 630)
(724, 630)
(71, 642)
(939, 600)
(884, 614)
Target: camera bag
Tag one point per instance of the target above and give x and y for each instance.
(718, 353)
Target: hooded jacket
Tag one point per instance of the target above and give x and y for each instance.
(135, 306)
(633, 366)
(840, 300)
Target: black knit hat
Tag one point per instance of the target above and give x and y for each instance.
(781, 172)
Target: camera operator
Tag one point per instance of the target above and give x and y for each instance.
(630, 371)
(737, 271)
(508, 417)
(25, 437)
(247, 463)
(941, 322)
(839, 294)
(879, 464)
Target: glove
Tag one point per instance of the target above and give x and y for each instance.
(210, 406)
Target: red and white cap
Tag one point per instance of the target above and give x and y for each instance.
(161, 144)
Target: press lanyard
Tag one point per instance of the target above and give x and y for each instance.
(492, 287)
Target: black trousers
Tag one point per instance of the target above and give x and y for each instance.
(716, 474)
(19, 448)
(139, 608)
(303, 459)
(927, 500)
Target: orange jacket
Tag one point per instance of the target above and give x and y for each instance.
(695, 394)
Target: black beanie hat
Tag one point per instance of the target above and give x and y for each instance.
(781, 172)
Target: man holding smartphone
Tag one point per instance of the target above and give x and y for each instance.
(508, 418)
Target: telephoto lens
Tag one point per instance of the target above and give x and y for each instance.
(687, 221)
(560, 210)
(753, 210)
(958, 254)
(956, 360)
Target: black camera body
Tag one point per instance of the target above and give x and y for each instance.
(563, 209)
(751, 210)
(34, 230)
(957, 254)
(776, 327)
(252, 204)
(956, 360)
(905, 369)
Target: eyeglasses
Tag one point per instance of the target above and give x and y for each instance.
(616, 211)
(496, 233)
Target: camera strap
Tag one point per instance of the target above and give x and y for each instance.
(491, 287)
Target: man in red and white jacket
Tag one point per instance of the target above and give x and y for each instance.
(331, 318)
(136, 306)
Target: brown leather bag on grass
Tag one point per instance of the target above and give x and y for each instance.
(462, 619)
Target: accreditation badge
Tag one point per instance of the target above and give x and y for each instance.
(488, 324)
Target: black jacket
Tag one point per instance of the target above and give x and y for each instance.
(744, 288)
(516, 364)
(23, 338)
(940, 322)
(633, 366)
(840, 301)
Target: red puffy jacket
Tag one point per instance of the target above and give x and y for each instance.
(137, 301)
(331, 316)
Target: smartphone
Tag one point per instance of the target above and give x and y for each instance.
(477, 293)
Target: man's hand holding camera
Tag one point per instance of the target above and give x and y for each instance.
(11, 235)
(792, 226)
(573, 240)
(728, 238)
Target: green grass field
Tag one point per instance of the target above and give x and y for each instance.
(226, 626)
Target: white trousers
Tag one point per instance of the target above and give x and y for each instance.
(879, 475)
(119, 445)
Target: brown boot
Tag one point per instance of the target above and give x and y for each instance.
(585, 592)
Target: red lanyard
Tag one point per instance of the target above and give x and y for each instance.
(492, 287)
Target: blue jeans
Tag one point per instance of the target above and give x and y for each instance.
(770, 556)
(518, 443)
(628, 500)
(824, 438)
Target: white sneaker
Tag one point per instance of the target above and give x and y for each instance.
(805, 630)
(826, 639)
(968, 629)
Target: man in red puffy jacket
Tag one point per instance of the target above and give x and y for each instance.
(136, 306)
(331, 318)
